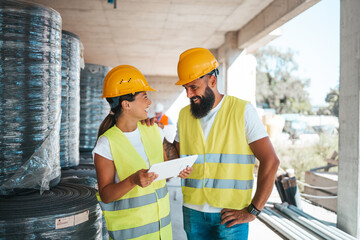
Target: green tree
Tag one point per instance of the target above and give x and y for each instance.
(277, 85)
(333, 99)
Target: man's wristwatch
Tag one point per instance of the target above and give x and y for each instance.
(253, 210)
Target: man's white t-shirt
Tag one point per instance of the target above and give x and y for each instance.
(254, 130)
(102, 147)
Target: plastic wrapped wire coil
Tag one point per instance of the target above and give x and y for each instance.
(86, 158)
(70, 100)
(82, 174)
(67, 211)
(30, 95)
(93, 109)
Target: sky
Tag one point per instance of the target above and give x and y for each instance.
(314, 35)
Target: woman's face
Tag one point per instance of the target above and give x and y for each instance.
(139, 108)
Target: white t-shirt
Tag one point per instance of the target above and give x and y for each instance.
(102, 147)
(254, 130)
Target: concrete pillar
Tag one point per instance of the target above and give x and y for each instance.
(226, 54)
(348, 209)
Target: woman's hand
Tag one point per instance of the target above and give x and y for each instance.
(142, 178)
(186, 172)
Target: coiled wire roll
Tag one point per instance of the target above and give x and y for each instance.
(86, 158)
(70, 100)
(84, 174)
(93, 109)
(30, 88)
(67, 211)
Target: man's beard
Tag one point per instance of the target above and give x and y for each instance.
(201, 109)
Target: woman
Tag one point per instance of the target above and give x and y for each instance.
(133, 204)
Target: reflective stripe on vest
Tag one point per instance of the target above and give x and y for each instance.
(142, 213)
(135, 202)
(223, 171)
(218, 183)
(225, 158)
(140, 231)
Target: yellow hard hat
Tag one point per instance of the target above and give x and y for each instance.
(122, 80)
(194, 63)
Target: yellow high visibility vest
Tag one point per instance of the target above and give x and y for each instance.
(223, 171)
(142, 213)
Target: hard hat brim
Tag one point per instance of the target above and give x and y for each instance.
(145, 89)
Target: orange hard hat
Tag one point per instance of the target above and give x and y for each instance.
(194, 63)
(122, 80)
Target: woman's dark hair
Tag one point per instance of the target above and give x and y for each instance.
(111, 119)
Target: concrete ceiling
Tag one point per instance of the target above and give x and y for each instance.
(150, 34)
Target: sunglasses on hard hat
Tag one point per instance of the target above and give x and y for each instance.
(214, 72)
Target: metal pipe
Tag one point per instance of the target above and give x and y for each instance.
(307, 223)
(282, 229)
(301, 233)
(331, 228)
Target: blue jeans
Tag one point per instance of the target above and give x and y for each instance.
(206, 226)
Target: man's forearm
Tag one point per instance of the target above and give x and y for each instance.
(269, 163)
(265, 184)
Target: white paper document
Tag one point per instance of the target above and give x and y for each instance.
(172, 168)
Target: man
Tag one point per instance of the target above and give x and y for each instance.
(161, 117)
(227, 134)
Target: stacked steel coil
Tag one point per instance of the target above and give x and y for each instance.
(70, 100)
(67, 211)
(30, 95)
(93, 109)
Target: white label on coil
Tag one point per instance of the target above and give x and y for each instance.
(64, 222)
(81, 217)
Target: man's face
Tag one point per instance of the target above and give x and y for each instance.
(201, 96)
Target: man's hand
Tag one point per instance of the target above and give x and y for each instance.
(233, 217)
(186, 172)
(149, 121)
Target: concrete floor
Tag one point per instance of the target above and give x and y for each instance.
(258, 229)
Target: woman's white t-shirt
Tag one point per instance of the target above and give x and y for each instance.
(102, 147)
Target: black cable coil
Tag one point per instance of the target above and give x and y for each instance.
(93, 109)
(84, 174)
(67, 211)
(86, 158)
(30, 96)
(70, 100)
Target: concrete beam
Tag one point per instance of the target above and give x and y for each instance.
(348, 214)
(272, 17)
